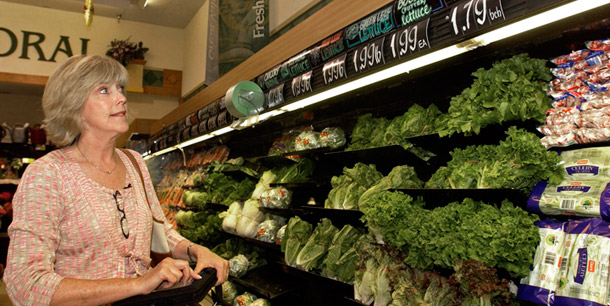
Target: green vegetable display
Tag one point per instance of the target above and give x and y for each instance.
(520, 161)
(313, 252)
(504, 237)
(203, 227)
(400, 177)
(295, 236)
(236, 246)
(234, 165)
(298, 172)
(219, 188)
(512, 89)
(342, 242)
(348, 187)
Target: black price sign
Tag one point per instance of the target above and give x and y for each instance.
(369, 55)
(334, 70)
(302, 84)
(410, 40)
(472, 15)
(275, 96)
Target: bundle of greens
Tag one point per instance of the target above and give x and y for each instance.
(348, 187)
(298, 172)
(219, 188)
(368, 133)
(295, 236)
(203, 227)
(386, 213)
(477, 282)
(233, 165)
(312, 254)
(236, 246)
(520, 161)
(343, 241)
(512, 89)
(504, 237)
(401, 177)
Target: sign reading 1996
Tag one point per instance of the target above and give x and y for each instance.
(472, 15)
(369, 55)
(334, 70)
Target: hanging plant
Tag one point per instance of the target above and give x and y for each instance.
(125, 51)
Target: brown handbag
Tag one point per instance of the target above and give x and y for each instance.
(159, 248)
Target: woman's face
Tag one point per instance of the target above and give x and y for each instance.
(105, 110)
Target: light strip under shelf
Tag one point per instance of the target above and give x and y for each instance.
(547, 17)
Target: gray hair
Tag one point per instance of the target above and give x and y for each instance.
(67, 91)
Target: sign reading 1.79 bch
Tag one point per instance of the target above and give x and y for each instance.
(473, 15)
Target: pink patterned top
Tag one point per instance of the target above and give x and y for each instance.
(67, 225)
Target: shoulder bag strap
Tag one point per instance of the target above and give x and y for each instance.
(135, 165)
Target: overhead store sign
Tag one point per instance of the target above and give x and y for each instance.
(243, 30)
(33, 44)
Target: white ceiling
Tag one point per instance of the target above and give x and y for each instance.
(170, 13)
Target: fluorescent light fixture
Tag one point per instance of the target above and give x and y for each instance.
(524, 25)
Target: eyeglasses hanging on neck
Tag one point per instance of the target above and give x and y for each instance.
(118, 199)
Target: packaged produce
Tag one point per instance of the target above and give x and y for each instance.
(598, 45)
(574, 56)
(332, 137)
(588, 198)
(276, 197)
(244, 299)
(280, 234)
(307, 140)
(260, 302)
(598, 99)
(586, 163)
(231, 217)
(589, 135)
(267, 230)
(568, 100)
(229, 292)
(238, 266)
(265, 180)
(559, 141)
(557, 130)
(544, 276)
(250, 218)
(570, 265)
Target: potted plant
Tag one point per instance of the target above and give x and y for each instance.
(125, 51)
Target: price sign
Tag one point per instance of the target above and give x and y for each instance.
(275, 96)
(302, 84)
(369, 55)
(334, 70)
(472, 15)
(410, 39)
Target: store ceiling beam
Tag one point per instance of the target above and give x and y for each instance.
(328, 20)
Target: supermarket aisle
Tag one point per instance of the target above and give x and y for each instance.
(4, 301)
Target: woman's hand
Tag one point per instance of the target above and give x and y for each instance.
(166, 274)
(206, 258)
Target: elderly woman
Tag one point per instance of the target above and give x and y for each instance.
(81, 231)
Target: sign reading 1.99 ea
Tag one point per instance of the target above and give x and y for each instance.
(410, 40)
(472, 15)
(334, 70)
(368, 56)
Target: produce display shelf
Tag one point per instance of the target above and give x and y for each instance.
(312, 214)
(265, 283)
(582, 146)
(490, 135)
(264, 244)
(385, 158)
(441, 197)
(351, 301)
(215, 206)
(315, 277)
